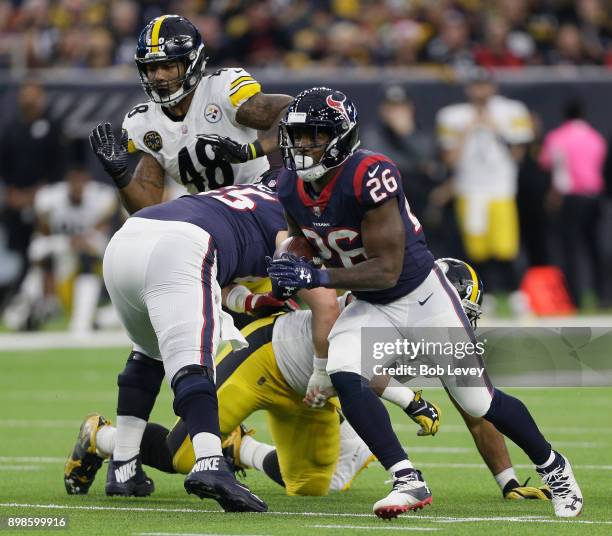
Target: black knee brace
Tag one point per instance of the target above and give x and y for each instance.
(139, 385)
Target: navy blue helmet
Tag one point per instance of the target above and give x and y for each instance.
(319, 109)
(170, 38)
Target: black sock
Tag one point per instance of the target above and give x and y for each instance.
(368, 416)
(512, 418)
(154, 449)
(272, 469)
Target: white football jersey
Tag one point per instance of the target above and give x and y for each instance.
(52, 203)
(174, 145)
(485, 164)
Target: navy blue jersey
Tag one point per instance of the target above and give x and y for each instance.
(332, 221)
(243, 221)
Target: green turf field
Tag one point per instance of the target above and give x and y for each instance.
(45, 394)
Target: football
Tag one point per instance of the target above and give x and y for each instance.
(299, 247)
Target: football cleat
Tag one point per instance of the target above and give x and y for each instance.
(425, 414)
(231, 449)
(212, 478)
(127, 478)
(409, 492)
(566, 495)
(83, 464)
(355, 456)
(514, 491)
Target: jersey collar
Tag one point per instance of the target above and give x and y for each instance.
(321, 201)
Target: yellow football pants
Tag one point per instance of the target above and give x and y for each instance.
(307, 440)
(500, 240)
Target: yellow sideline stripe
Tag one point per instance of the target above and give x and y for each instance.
(155, 33)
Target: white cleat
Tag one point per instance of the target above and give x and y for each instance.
(355, 456)
(409, 492)
(566, 495)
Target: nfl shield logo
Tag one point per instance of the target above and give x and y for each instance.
(316, 210)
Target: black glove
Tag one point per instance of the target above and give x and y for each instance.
(113, 156)
(232, 151)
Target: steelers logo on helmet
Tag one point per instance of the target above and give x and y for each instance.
(319, 132)
(177, 43)
(467, 283)
(153, 140)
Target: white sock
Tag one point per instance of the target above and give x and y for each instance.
(404, 464)
(347, 432)
(399, 395)
(105, 441)
(85, 301)
(504, 477)
(128, 437)
(252, 452)
(206, 444)
(551, 459)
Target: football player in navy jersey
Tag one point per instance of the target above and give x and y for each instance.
(349, 203)
(164, 270)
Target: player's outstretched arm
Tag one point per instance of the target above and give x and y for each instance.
(143, 188)
(146, 186)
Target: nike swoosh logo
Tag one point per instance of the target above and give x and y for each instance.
(372, 173)
(425, 300)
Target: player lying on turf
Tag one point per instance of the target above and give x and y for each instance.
(350, 205)
(282, 347)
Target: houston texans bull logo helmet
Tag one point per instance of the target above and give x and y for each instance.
(319, 108)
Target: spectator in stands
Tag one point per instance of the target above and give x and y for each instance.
(494, 52)
(482, 141)
(575, 153)
(30, 156)
(452, 47)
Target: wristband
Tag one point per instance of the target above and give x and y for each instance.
(236, 299)
(255, 150)
(319, 363)
(324, 279)
(123, 180)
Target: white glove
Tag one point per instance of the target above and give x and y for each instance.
(320, 387)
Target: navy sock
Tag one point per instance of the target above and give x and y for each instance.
(195, 401)
(512, 418)
(368, 416)
(272, 469)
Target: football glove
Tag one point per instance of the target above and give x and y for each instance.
(232, 151)
(113, 155)
(515, 491)
(320, 387)
(425, 414)
(291, 272)
(241, 300)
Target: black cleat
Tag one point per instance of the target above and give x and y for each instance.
(127, 479)
(212, 478)
(82, 465)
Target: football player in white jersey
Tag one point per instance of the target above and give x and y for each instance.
(73, 224)
(186, 130)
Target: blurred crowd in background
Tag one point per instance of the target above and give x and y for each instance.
(299, 33)
(487, 182)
